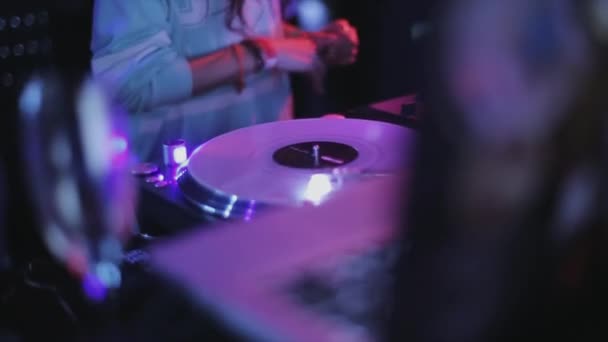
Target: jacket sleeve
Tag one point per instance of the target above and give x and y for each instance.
(134, 55)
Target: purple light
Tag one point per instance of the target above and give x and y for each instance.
(94, 288)
(248, 215)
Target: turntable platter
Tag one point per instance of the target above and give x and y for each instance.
(273, 163)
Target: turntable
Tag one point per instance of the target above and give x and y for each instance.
(290, 163)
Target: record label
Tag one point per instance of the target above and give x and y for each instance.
(315, 155)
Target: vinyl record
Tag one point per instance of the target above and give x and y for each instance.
(275, 163)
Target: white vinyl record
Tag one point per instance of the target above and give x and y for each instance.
(243, 163)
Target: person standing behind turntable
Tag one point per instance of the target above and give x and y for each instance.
(195, 69)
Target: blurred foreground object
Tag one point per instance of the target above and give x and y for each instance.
(507, 223)
(76, 164)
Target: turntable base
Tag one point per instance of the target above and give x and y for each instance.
(272, 165)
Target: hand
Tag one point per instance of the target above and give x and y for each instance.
(300, 55)
(338, 43)
(295, 54)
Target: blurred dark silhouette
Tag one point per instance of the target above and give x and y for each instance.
(506, 236)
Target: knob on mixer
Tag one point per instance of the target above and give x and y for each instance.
(174, 153)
